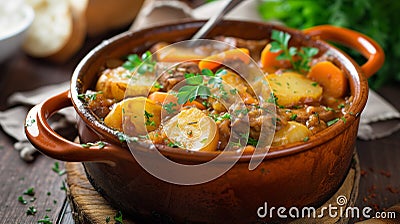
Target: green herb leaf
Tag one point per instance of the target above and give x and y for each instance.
(125, 138)
(281, 43)
(305, 139)
(293, 117)
(331, 122)
(31, 210)
(63, 187)
(194, 80)
(141, 65)
(207, 72)
(45, 220)
(99, 144)
(252, 141)
(89, 96)
(30, 191)
(187, 92)
(118, 218)
(22, 200)
(169, 107)
(56, 168)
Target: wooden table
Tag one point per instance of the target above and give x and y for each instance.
(379, 187)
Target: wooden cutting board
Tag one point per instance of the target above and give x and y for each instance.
(90, 207)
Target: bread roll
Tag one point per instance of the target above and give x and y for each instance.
(58, 30)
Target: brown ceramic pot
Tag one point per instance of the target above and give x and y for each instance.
(299, 174)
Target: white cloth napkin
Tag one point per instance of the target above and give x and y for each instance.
(374, 119)
(12, 120)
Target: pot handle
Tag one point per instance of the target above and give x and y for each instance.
(355, 40)
(44, 138)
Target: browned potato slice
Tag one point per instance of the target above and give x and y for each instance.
(192, 129)
(292, 88)
(141, 115)
(292, 132)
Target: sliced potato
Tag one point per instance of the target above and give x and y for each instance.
(292, 132)
(192, 129)
(141, 116)
(292, 88)
(119, 82)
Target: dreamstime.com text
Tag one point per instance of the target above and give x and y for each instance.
(338, 210)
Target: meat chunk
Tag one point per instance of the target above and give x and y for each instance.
(170, 78)
(258, 117)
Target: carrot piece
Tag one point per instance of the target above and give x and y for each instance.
(330, 77)
(159, 97)
(213, 61)
(164, 98)
(268, 60)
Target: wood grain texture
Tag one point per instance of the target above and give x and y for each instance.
(17, 176)
(87, 205)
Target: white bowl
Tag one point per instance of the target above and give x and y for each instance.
(13, 27)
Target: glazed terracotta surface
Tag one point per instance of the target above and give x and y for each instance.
(299, 174)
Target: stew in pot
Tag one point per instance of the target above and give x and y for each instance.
(197, 104)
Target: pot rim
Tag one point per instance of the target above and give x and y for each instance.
(358, 84)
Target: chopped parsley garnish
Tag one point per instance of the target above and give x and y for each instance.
(169, 107)
(30, 191)
(217, 117)
(340, 106)
(118, 217)
(233, 91)
(293, 117)
(48, 193)
(158, 85)
(22, 200)
(148, 121)
(331, 122)
(305, 139)
(252, 141)
(63, 187)
(125, 138)
(195, 86)
(272, 99)
(343, 119)
(56, 168)
(99, 144)
(329, 109)
(241, 111)
(142, 64)
(31, 210)
(314, 84)
(29, 122)
(45, 220)
(281, 43)
(91, 96)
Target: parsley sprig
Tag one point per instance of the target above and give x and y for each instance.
(142, 64)
(99, 144)
(281, 43)
(196, 86)
(89, 95)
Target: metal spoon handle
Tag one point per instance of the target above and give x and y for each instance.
(215, 19)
